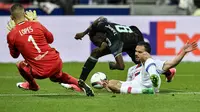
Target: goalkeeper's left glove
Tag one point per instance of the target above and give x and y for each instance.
(10, 25)
(31, 15)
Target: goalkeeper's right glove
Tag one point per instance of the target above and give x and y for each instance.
(10, 25)
(31, 15)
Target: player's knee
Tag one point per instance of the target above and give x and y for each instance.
(21, 64)
(95, 54)
(56, 77)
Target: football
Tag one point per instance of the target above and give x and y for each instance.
(96, 80)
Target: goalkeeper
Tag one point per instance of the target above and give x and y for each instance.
(31, 39)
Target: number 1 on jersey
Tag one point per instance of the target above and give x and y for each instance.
(31, 39)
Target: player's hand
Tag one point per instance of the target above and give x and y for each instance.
(10, 25)
(188, 47)
(31, 15)
(146, 55)
(112, 65)
(104, 83)
(79, 36)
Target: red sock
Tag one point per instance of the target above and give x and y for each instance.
(76, 88)
(66, 78)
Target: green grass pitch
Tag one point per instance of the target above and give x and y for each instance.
(181, 95)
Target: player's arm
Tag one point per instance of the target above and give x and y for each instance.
(13, 51)
(188, 47)
(97, 52)
(94, 24)
(105, 85)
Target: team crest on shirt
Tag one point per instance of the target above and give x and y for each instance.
(136, 72)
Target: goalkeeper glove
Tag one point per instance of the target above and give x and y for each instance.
(10, 25)
(31, 15)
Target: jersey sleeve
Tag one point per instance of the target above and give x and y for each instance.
(150, 67)
(11, 44)
(159, 66)
(48, 35)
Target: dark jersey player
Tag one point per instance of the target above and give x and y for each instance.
(111, 38)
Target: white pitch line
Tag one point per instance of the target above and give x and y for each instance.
(162, 89)
(56, 94)
(184, 93)
(9, 77)
(49, 94)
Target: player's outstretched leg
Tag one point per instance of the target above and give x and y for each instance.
(25, 72)
(87, 89)
(87, 68)
(71, 86)
(66, 81)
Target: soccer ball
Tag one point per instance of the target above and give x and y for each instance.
(96, 80)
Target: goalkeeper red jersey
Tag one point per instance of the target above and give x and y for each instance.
(31, 40)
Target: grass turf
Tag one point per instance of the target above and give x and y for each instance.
(181, 95)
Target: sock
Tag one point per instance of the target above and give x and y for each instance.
(87, 68)
(66, 78)
(76, 88)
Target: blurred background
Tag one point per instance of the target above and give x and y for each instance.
(89, 7)
(166, 24)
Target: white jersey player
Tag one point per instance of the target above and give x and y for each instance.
(138, 77)
(145, 77)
